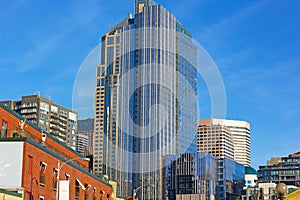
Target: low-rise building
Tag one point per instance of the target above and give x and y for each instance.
(250, 177)
(43, 166)
(285, 170)
(202, 176)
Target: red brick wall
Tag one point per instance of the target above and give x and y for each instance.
(47, 191)
(13, 125)
(12, 121)
(38, 156)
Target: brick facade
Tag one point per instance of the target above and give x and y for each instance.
(42, 158)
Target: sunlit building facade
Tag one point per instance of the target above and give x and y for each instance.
(55, 119)
(215, 139)
(281, 170)
(38, 165)
(225, 139)
(146, 95)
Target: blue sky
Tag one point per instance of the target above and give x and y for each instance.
(255, 45)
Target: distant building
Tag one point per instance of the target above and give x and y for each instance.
(225, 139)
(267, 191)
(215, 139)
(284, 169)
(251, 190)
(202, 176)
(295, 155)
(81, 143)
(57, 120)
(86, 127)
(36, 161)
(250, 177)
(191, 175)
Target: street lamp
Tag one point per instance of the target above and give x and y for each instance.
(58, 172)
(137, 189)
(36, 181)
(281, 189)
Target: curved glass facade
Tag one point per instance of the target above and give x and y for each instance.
(146, 100)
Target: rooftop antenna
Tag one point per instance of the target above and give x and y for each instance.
(37, 93)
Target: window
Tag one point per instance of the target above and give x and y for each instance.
(29, 164)
(4, 129)
(94, 193)
(67, 176)
(77, 189)
(42, 173)
(54, 179)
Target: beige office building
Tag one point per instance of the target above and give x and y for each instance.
(225, 138)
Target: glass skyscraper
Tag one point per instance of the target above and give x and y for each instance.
(145, 101)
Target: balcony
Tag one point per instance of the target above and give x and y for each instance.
(29, 117)
(29, 105)
(54, 115)
(28, 111)
(58, 123)
(54, 121)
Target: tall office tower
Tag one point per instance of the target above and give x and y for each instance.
(86, 127)
(146, 95)
(57, 120)
(217, 136)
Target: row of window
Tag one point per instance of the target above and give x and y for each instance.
(78, 184)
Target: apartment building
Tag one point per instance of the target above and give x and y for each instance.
(55, 119)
